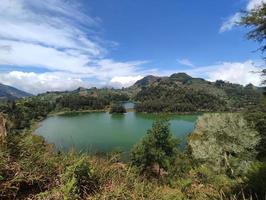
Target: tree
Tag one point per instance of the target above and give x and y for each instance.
(157, 149)
(255, 19)
(117, 108)
(225, 142)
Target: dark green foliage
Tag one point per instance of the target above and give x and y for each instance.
(117, 108)
(182, 93)
(22, 112)
(77, 102)
(178, 100)
(157, 149)
(257, 180)
(256, 117)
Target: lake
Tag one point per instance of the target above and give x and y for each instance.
(103, 132)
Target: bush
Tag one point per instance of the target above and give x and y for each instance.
(79, 180)
(157, 150)
(225, 142)
(257, 179)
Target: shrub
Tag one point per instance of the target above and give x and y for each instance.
(225, 142)
(257, 179)
(157, 149)
(79, 180)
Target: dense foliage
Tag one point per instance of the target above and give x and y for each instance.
(256, 116)
(182, 93)
(225, 141)
(157, 149)
(22, 112)
(117, 108)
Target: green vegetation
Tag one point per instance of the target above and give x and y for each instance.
(225, 141)
(31, 169)
(117, 108)
(225, 159)
(157, 150)
(182, 93)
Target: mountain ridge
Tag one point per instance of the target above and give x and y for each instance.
(11, 93)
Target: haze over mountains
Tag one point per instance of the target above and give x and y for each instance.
(11, 93)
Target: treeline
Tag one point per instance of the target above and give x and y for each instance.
(22, 112)
(158, 99)
(76, 102)
(171, 96)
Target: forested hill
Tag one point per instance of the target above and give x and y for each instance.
(183, 93)
(11, 93)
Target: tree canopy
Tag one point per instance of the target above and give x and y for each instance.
(157, 148)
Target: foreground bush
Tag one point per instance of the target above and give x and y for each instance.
(225, 142)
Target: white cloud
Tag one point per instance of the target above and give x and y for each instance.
(186, 62)
(38, 83)
(235, 72)
(125, 81)
(231, 22)
(57, 36)
(253, 4)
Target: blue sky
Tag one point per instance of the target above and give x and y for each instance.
(60, 45)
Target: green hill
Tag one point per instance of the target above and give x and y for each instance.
(183, 93)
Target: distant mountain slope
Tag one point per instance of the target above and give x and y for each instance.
(183, 93)
(11, 93)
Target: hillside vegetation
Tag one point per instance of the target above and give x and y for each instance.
(182, 93)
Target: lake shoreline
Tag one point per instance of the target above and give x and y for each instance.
(103, 132)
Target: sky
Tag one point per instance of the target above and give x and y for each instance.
(52, 45)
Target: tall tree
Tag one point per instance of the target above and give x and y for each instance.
(157, 149)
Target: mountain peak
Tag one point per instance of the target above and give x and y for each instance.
(183, 77)
(147, 80)
(11, 93)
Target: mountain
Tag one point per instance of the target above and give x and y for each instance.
(147, 80)
(183, 93)
(11, 93)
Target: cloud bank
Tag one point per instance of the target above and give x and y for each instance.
(235, 72)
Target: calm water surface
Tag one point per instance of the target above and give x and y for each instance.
(102, 132)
